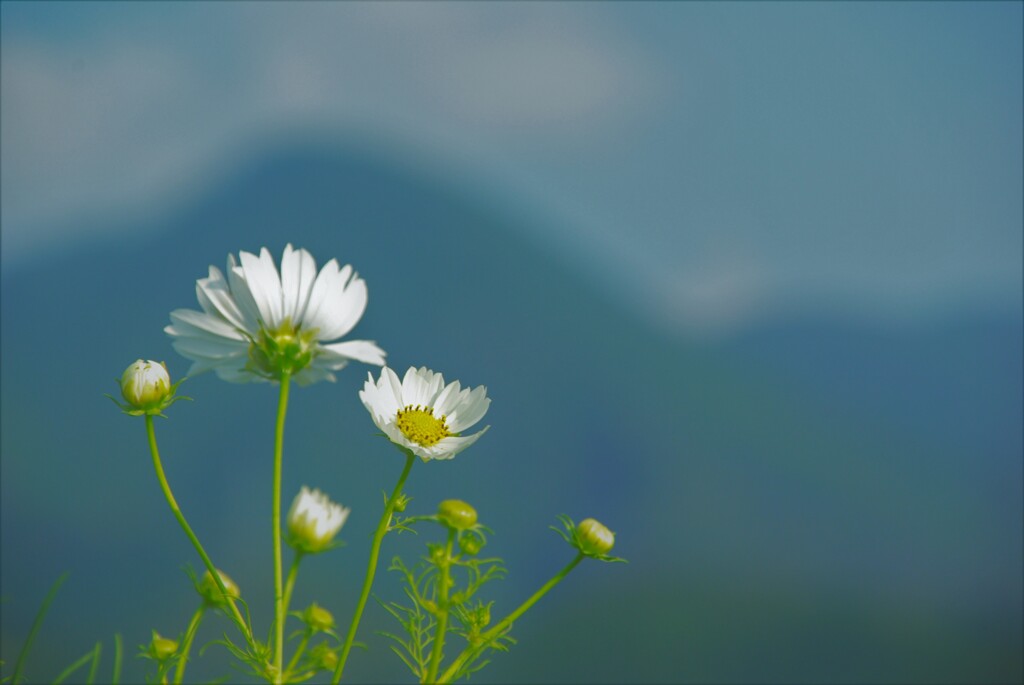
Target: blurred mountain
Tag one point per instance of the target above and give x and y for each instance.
(814, 500)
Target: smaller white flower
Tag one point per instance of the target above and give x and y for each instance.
(423, 415)
(314, 520)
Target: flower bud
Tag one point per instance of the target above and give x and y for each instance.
(323, 657)
(594, 538)
(318, 618)
(162, 648)
(145, 384)
(211, 592)
(456, 514)
(314, 520)
(471, 544)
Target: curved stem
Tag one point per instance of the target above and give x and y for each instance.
(282, 408)
(497, 630)
(235, 614)
(442, 608)
(371, 568)
(298, 652)
(190, 635)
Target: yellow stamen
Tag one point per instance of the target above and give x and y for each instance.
(419, 424)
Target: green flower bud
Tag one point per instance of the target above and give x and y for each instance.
(471, 544)
(594, 538)
(211, 592)
(318, 618)
(401, 502)
(162, 648)
(456, 514)
(323, 657)
(145, 385)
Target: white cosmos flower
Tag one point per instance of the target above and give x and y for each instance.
(256, 323)
(422, 414)
(314, 520)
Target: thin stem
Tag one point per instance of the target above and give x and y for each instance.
(497, 630)
(298, 652)
(371, 568)
(190, 634)
(289, 583)
(95, 663)
(116, 677)
(20, 663)
(442, 608)
(282, 408)
(66, 673)
(235, 614)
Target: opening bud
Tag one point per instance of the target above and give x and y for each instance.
(456, 514)
(314, 520)
(211, 593)
(318, 618)
(145, 385)
(594, 538)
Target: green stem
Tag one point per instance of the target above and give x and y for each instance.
(497, 630)
(66, 673)
(116, 677)
(371, 568)
(298, 652)
(95, 663)
(20, 663)
(442, 608)
(190, 634)
(289, 583)
(235, 614)
(279, 610)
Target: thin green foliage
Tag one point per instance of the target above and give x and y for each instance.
(20, 663)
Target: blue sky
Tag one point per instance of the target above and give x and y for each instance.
(713, 164)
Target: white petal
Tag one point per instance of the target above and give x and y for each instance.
(344, 307)
(265, 286)
(365, 351)
(313, 374)
(447, 400)
(190, 321)
(389, 382)
(380, 402)
(214, 295)
(318, 296)
(242, 296)
(471, 410)
(298, 272)
(449, 447)
(416, 386)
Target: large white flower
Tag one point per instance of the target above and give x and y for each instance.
(256, 324)
(422, 414)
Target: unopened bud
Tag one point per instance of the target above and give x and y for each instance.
(318, 618)
(594, 538)
(210, 591)
(162, 648)
(456, 514)
(145, 384)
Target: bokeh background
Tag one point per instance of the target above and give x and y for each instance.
(743, 280)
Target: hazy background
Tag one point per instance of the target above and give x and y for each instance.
(743, 280)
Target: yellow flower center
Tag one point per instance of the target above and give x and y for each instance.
(419, 424)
